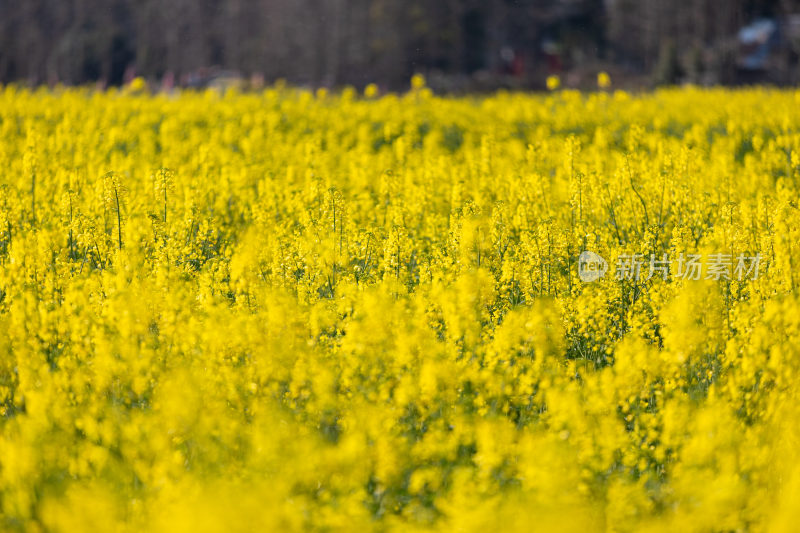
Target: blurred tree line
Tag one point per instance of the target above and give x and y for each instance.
(331, 42)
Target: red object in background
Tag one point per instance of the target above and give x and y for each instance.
(554, 65)
(168, 81)
(517, 65)
(552, 55)
(513, 63)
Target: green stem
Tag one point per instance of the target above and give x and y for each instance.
(119, 219)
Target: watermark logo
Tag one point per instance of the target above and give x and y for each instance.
(717, 266)
(591, 266)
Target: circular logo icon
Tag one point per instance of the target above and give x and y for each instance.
(591, 266)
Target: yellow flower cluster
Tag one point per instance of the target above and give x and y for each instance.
(300, 311)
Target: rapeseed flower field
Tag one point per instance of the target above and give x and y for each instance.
(339, 311)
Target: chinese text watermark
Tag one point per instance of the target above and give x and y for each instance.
(716, 266)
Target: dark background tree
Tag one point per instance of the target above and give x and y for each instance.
(333, 42)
